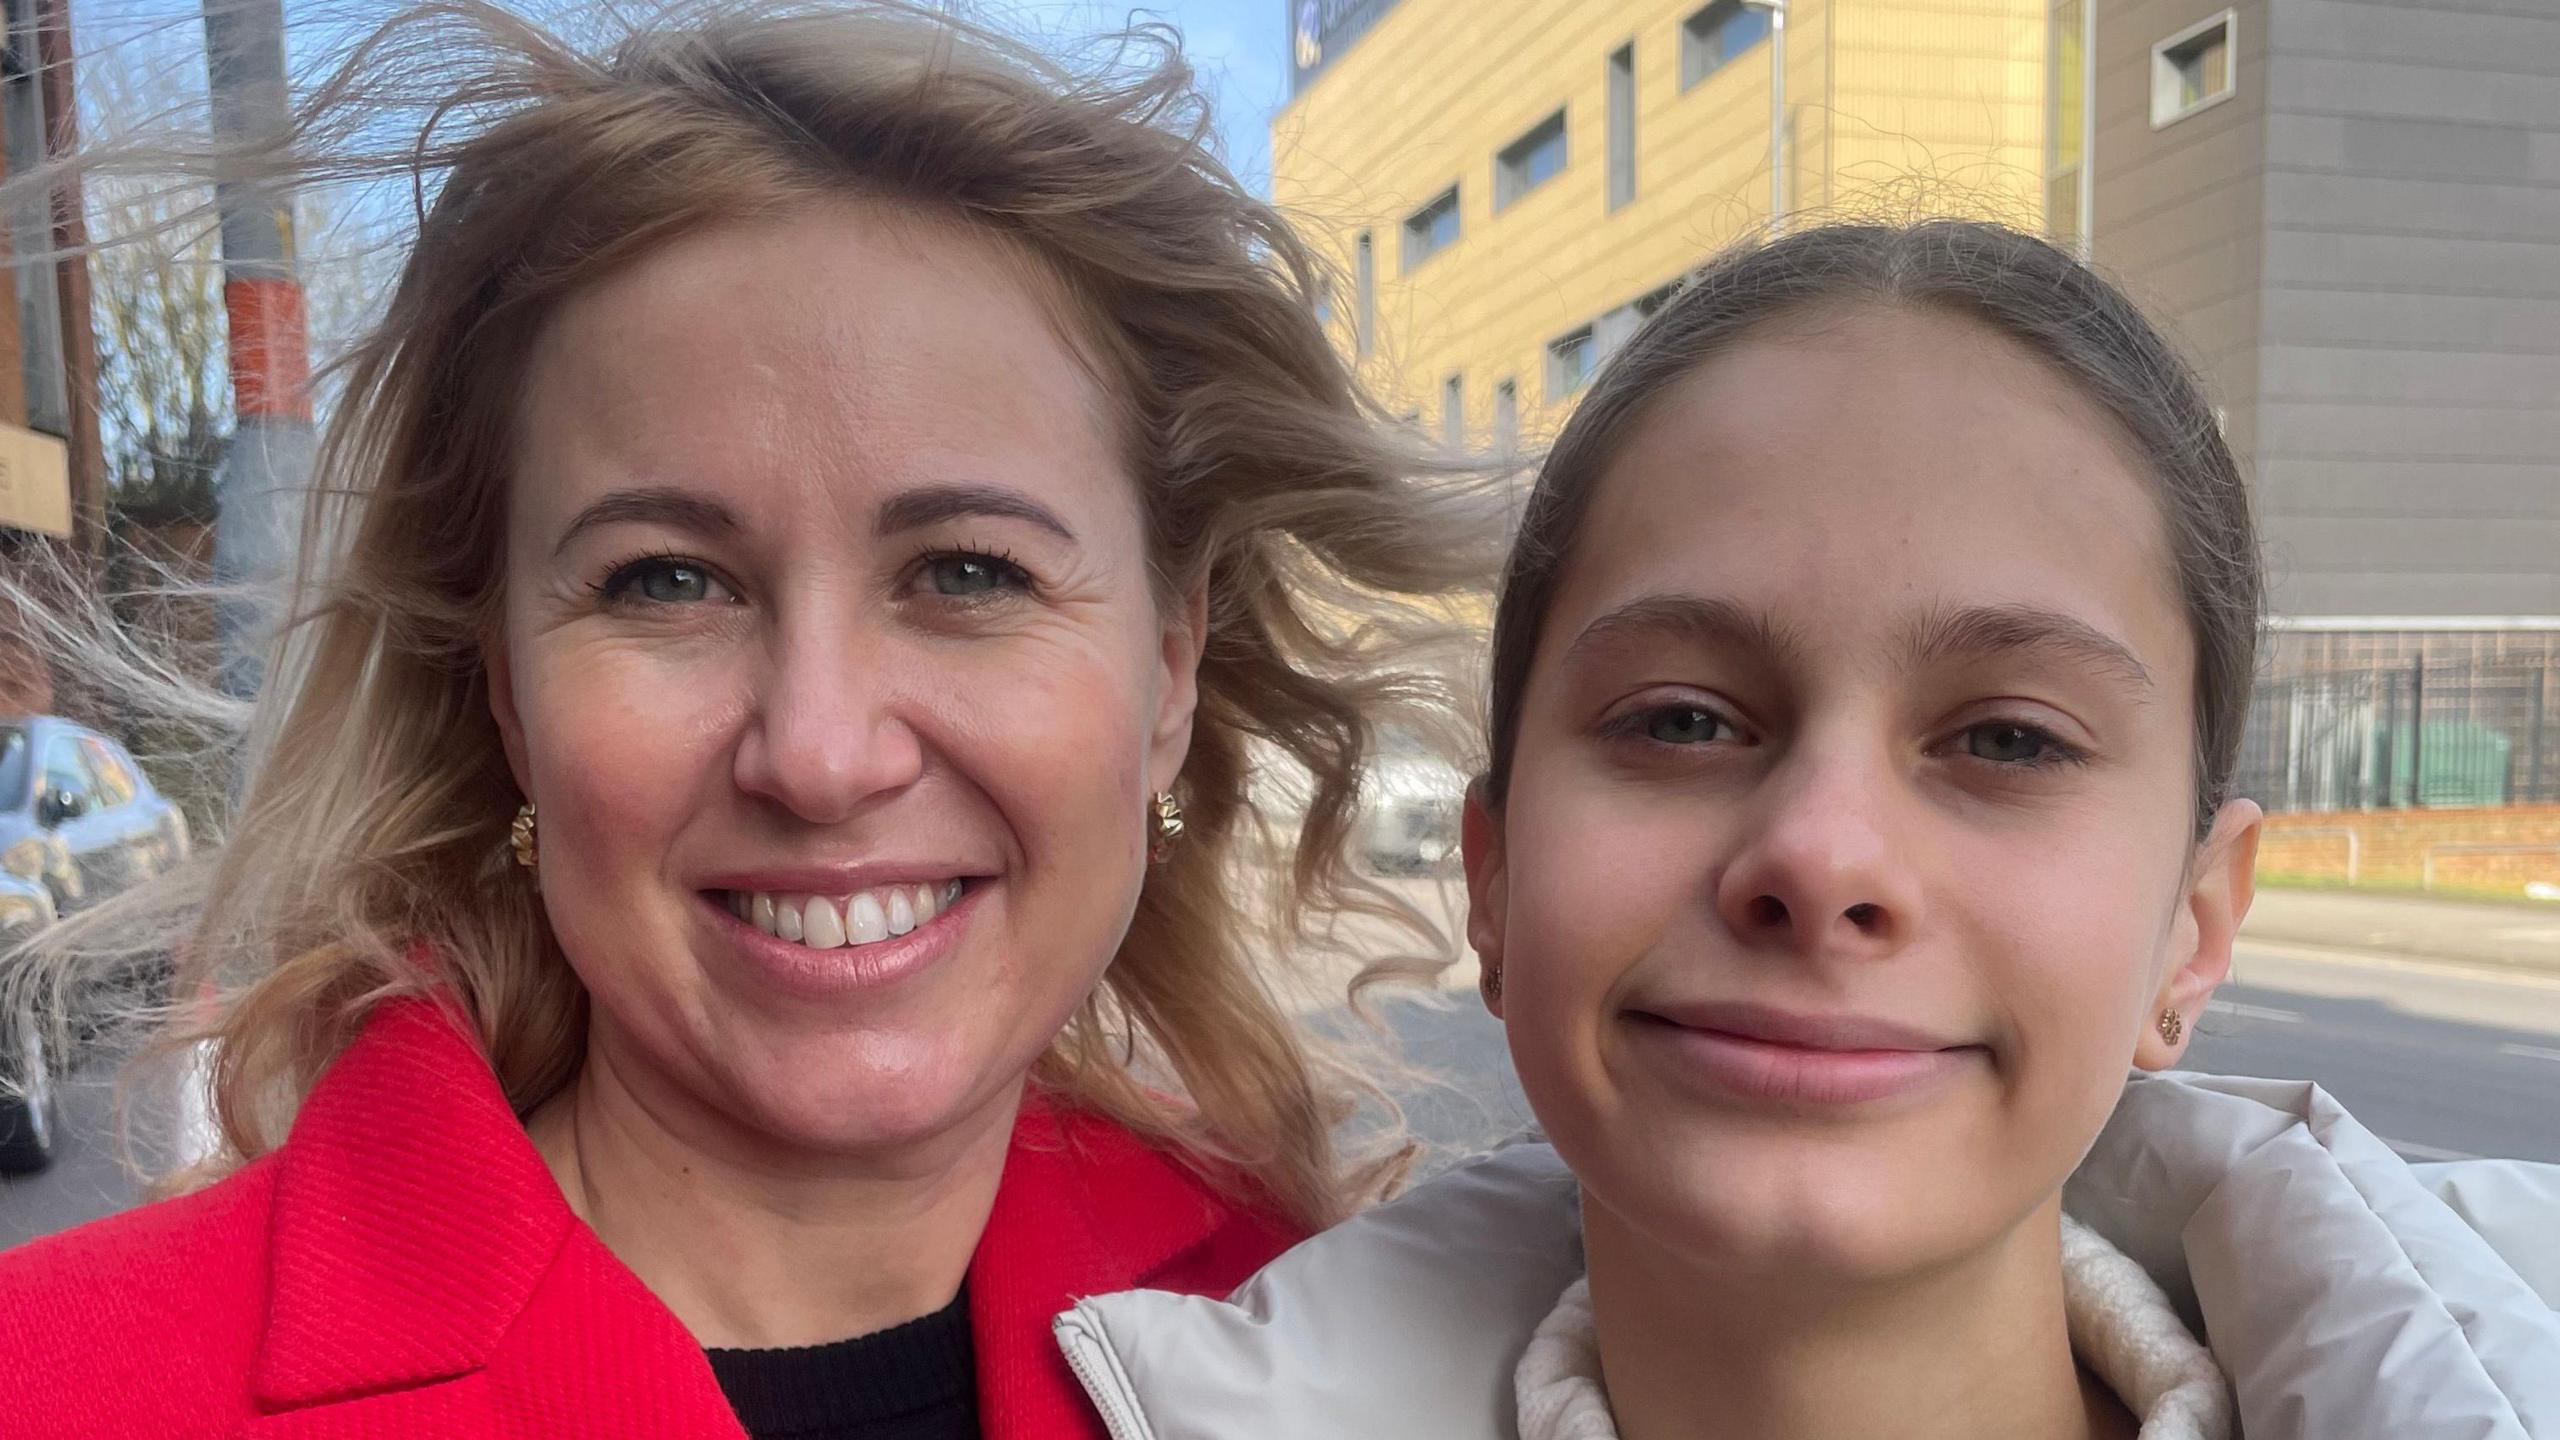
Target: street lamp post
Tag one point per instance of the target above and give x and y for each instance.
(267, 465)
(1777, 109)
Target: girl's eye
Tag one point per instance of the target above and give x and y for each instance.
(2008, 743)
(968, 575)
(1682, 725)
(663, 580)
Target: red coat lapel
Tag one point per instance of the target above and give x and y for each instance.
(429, 1278)
(413, 1219)
(1085, 1209)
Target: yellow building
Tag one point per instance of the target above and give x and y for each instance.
(1509, 187)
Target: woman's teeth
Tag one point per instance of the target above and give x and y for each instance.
(824, 923)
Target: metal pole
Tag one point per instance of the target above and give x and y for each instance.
(1777, 110)
(1777, 116)
(2418, 731)
(2541, 683)
(268, 462)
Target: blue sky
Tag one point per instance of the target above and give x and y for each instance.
(1237, 46)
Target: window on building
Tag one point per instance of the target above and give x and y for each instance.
(1324, 304)
(1453, 410)
(1529, 162)
(1506, 414)
(1622, 126)
(1570, 361)
(2066, 126)
(1714, 37)
(2191, 70)
(1364, 320)
(1431, 229)
(30, 227)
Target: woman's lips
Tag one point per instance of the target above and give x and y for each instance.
(1784, 1058)
(846, 965)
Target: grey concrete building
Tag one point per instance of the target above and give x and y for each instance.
(2350, 211)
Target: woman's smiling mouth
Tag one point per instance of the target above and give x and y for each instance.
(843, 941)
(867, 917)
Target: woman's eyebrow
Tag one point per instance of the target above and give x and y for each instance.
(1982, 631)
(933, 504)
(656, 504)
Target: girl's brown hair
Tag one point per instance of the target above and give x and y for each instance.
(376, 809)
(2020, 286)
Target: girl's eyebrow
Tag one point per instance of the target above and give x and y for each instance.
(1971, 632)
(1984, 631)
(1704, 621)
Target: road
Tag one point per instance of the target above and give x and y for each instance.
(2444, 1060)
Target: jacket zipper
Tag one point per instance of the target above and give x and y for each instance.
(1096, 1368)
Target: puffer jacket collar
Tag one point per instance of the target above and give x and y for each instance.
(2348, 1295)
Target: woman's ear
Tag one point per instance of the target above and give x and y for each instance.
(1186, 636)
(502, 708)
(2220, 886)
(1480, 840)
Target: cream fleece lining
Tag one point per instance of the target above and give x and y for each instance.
(2123, 1328)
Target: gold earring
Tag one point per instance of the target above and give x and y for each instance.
(2172, 1025)
(520, 836)
(1168, 827)
(1493, 982)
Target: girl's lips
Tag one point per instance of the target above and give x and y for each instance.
(1773, 1058)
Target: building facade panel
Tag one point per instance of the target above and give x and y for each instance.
(2412, 269)
(1893, 108)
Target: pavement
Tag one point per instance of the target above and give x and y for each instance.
(2436, 1023)
(2523, 935)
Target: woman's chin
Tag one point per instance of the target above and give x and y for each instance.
(848, 1105)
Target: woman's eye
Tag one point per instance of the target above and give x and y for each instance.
(1682, 725)
(2009, 744)
(663, 580)
(967, 575)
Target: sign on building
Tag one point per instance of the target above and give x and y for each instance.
(35, 482)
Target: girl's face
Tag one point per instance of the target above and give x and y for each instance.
(1847, 859)
(834, 663)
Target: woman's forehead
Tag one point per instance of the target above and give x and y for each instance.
(809, 349)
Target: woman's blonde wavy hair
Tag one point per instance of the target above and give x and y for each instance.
(376, 806)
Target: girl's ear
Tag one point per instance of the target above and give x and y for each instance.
(2219, 889)
(1480, 839)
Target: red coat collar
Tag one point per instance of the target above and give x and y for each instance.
(414, 1223)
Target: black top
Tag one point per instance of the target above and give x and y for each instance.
(917, 1381)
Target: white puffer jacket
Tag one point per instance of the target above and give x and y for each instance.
(2348, 1295)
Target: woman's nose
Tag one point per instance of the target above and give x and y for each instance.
(1821, 865)
(827, 730)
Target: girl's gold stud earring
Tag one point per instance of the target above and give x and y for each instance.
(2172, 1025)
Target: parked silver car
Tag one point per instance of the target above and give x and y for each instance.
(26, 1076)
(77, 815)
(1411, 801)
(79, 821)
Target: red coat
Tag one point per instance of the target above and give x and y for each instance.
(406, 1267)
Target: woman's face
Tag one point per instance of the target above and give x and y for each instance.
(832, 662)
(1844, 865)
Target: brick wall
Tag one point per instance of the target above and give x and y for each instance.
(2393, 845)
